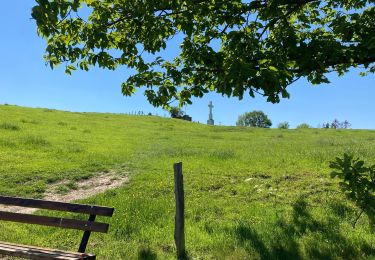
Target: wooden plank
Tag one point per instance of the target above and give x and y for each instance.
(85, 237)
(54, 222)
(179, 230)
(55, 205)
(32, 252)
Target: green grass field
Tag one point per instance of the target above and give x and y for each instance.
(250, 193)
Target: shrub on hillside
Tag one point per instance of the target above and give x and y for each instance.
(176, 112)
(283, 125)
(303, 125)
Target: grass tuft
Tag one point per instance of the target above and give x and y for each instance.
(9, 126)
(223, 154)
(25, 121)
(62, 123)
(35, 141)
(7, 143)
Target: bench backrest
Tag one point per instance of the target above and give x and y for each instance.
(88, 226)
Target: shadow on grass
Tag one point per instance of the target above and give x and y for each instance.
(146, 254)
(246, 234)
(370, 212)
(342, 211)
(301, 237)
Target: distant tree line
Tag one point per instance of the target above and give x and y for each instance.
(259, 119)
(336, 124)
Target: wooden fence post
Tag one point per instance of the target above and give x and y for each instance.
(179, 228)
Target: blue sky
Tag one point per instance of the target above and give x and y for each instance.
(26, 81)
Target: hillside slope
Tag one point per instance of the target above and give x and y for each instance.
(250, 193)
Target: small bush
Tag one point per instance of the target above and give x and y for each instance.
(357, 182)
(303, 126)
(283, 125)
(176, 112)
(9, 126)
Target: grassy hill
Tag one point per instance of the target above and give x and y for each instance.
(250, 193)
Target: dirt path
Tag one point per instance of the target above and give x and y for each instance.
(84, 189)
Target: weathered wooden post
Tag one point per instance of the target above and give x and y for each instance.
(179, 228)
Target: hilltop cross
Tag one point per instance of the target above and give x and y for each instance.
(210, 120)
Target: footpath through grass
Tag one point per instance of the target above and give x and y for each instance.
(250, 193)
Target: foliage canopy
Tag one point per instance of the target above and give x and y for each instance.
(254, 119)
(234, 48)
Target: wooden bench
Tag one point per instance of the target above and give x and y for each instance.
(31, 252)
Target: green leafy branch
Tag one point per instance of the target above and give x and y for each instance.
(357, 181)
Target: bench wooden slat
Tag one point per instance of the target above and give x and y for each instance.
(54, 222)
(38, 253)
(54, 205)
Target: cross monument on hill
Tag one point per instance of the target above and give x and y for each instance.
(210, 120)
